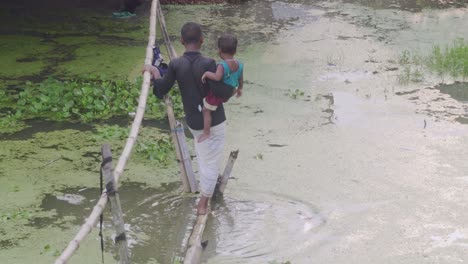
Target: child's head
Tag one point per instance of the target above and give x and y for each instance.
(191, 34)
(227, 43)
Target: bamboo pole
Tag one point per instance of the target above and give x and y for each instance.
(186, 160)
(227, 171)
(167, 40)
(143, 97)
(195, 250)
(116, 209)
(172, 124)
(92, 220)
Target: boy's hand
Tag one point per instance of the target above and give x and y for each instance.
(152, 70)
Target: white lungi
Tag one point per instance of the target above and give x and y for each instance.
(209, 155)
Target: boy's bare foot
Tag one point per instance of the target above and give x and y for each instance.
(203, 137)
(202, 207)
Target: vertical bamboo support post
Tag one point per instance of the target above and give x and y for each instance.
(167, 40)
(227, 171)
(116, 209)
(186, 160)
(172, 124)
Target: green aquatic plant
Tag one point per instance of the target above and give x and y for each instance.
(111, 132)
(410, 74)
(84, 100)
(452, 60)
(160, 150)
(16, 215)
(294, 94)
(10, 122)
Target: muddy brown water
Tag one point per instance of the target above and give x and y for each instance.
(339, 162)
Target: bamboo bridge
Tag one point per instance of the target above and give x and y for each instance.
(109, 194)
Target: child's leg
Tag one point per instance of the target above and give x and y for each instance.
(210, 103)
(206, 124)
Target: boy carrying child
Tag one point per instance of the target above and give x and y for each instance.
(187, 70)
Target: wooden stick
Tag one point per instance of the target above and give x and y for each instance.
(227, 171)
(175, 140)
(186, 160)
(97, 210)
(116, 209)
(167, 40)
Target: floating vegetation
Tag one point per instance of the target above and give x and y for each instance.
(111, 132)
(82, 100)
(160, 150)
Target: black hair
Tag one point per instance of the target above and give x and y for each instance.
(227, 43)
(191, 33)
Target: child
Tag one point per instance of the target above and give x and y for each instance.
(230, 70)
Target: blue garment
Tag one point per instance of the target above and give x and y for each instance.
(232, 78)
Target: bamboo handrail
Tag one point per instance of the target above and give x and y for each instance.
(101, 204)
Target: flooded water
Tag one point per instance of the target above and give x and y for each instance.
(339, 161)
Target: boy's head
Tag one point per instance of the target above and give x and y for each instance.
(191, 33)
(227, 43)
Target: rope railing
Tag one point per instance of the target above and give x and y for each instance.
(93, 218)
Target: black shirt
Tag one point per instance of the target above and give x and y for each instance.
(188, 70)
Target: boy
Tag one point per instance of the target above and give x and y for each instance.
(188, 70)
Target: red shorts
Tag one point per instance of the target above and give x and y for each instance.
(211, 102)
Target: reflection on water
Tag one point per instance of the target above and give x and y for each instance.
(256, 21)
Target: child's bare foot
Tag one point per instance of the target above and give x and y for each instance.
(202, 207)
(203, 137)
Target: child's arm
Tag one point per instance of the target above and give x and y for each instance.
(215, 76)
